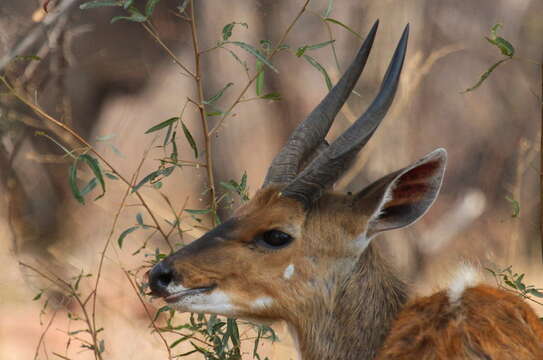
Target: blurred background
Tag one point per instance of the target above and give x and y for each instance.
(112, 82)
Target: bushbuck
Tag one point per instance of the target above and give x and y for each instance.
(301, 253)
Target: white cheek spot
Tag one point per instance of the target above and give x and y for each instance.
(262, 302)
(289, 271)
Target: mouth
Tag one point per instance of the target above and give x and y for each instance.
(175, 297)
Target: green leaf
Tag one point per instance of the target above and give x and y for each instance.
(218, 95)
(251, 50)
(128, 3)
(328, 10)
(161, 310)
(485, 75)
(337, 22)
(95, 167)
(162, 125)
(150, 7)
(303, 49)
(89, 187)
(515, 206)
(190, 139)
(229, 186)
(98, 3)
(112, 176)
(27, 58)
(168, 134)
(125, 233)
(139, 219)
(319, 67)
(38, 296)
(135, 16)
(227, 29)
(536, 292)
(259, 84)
(272, 96)
(505, 46)
(198, 212)
(243, 182)
(152, 176)
(72, 179)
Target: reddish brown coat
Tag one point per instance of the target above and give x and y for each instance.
(486, 323)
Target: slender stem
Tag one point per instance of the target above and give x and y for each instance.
(167, 49)
(69, 130)
(253, 78)
(148, 313)
(75, 295)
(207, 137)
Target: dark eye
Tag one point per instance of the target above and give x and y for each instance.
(274, 239)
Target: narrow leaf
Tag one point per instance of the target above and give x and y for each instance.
(251, 50)
(95, 167)
(319, 67)
(337, 22)
(485, 75)
(272, 96)
(98, 3)
(125, 233)
(303, 49)
(152, 176)
(162, 125)
(198, 212)
(190, 139)
(128, 3)
(72, 179)
(89, 187)
(139, 219)
(150, 7)
(260, 78)
(218, 95)
(135, 16)
(328, 10)
(227, 29)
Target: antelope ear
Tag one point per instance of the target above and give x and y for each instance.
(401, 198)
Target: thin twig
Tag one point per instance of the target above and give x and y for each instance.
(58, 280)
(148, 313)
(69, 130)
(38, 32)
(207, 137)
(147, 27)
(110, 236)
(42, 336)
(274, 51)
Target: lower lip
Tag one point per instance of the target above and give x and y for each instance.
(178, 296)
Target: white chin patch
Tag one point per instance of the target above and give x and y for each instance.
(214, 302)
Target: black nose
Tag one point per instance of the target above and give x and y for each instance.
(160, 276)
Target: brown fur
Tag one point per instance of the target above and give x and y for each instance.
(486, 323)
(341, 298)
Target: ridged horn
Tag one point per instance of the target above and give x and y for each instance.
(326, 168)
(310, 134)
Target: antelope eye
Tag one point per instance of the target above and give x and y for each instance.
(274, 239)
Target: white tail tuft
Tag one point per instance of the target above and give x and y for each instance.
(466, 276)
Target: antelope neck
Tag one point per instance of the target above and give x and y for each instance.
(354, 322)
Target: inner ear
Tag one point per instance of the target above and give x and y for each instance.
(401, 198)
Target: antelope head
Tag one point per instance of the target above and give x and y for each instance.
(296, 243)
